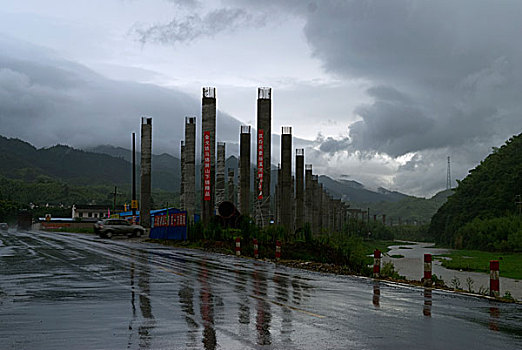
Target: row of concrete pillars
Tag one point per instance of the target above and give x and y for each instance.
(299, 200)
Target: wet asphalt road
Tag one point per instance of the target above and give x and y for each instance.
(72, 291)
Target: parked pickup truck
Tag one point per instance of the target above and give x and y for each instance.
(110, 227)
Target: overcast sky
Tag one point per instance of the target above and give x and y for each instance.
(380, 92)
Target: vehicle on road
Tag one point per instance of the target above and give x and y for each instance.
(110, 227)
(4, 226)
(24, 220)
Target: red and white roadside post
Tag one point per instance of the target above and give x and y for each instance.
(427, 269)
(376, 263)
(238, 246)
(494, 282)
(256, 249)
(278, 250)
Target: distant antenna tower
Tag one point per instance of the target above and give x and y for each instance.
(448, 177)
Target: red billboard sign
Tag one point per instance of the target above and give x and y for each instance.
(176, 219)
(206, 166)
(260, 163)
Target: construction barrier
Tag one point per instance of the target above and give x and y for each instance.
(427, 269)
(256, 249)
(494, 282)
(376, 263)
(238, 246)
(278, 250)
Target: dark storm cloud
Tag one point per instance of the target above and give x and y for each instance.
(446, 76)
(392, 124)
(47, 100)
(195, 26)
(445, 72)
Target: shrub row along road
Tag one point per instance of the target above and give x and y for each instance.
(72, 291)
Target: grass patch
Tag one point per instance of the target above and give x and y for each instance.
(405, 248)
(397, 256)
(475, 260)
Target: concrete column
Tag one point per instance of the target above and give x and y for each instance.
(189, 187)
(340, 213)
(278, 196)
(146, 170)
(308, 195)
(320, 204)
(231, 188)
(299, 189)
(264, 159)
(292, 198)
(182, 185)
(287, 196)
(244, 170)
(325, 210)
(220, 174)
(208, 154)
(316, 205)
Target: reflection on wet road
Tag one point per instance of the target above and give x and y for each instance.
(65, 291)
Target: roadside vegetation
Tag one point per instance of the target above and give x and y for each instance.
(352, 248)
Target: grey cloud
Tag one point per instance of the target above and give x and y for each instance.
(446, 76)
(194, 26)
(331, 145)
(46, 100)
(392, 125)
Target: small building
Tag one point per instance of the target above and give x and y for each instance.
(93, 212)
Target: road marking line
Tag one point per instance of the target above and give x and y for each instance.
(288, 306)
(171, 271)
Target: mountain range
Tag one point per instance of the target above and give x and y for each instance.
(110, 165)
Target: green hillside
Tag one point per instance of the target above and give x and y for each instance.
(409, 209)
(483, 214)
(20, 160)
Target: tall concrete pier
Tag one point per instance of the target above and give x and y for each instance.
(309, 194)
(264, 139)
(146, 170)
(208, 154)
(287, 196)
(299, 189)
(220, 174)
(244, 170)
(182, 185)
(189, 186)
(231, 188)
(277, 197)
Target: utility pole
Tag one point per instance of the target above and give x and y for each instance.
(115, 193)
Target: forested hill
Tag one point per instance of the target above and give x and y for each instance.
(21, 160)
(482, 213)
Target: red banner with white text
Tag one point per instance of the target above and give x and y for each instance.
(206, 166)
(260, 163)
